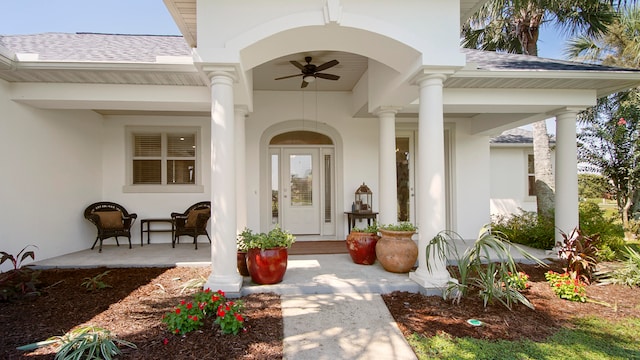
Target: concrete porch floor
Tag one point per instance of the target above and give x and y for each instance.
(306, 274)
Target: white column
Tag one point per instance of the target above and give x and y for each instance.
(388, 197)
(224, 274)
(431, 179)
(241, 168)
(566, 212)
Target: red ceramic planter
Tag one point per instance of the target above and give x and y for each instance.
(242, 263)
(362, 247)
(267, 266)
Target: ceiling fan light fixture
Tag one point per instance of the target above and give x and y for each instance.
(309, 78)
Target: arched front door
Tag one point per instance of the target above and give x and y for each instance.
(302, 177)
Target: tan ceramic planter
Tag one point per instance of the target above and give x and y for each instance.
(396, 251)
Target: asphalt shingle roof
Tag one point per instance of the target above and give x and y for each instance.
(96, 47)
(145, 48)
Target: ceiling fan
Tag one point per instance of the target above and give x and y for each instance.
(310, 72)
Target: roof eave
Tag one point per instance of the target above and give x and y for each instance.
(7, 58)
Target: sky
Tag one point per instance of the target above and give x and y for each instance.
(130, 17)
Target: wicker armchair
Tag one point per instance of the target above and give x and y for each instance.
(111, 220)
(192, 222)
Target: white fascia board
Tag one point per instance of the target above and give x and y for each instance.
(106, 66)
(554, 74)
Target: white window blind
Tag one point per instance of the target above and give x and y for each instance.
(164, 158)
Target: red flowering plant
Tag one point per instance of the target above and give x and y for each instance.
(566, 286)
(190, 315)
(230, 317)
(184, 318)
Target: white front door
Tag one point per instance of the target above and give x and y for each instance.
(301, 191)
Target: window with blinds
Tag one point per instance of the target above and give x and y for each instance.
(163, 158)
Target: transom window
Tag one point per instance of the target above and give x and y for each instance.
(165, 157)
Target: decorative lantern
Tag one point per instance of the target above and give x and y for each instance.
(364, 199)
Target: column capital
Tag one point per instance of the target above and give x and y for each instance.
(381, 110)
(566, 111)
(222, 73)
(425, 78)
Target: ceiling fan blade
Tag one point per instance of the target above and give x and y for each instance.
(304, 84)
(327, 65)
(327, 76)
(297, 64)
(289, 76)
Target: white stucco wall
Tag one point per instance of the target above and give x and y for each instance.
(51, 170)
(150, 205)
(509, 187)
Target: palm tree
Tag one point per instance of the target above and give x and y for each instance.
(609, 143)
(619, 46)
(514, 26)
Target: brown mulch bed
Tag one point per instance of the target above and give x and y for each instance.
(431, 315)
(133, 307)
(132, 310)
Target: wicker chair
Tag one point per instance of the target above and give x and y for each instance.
(192, 222)
(111, 220)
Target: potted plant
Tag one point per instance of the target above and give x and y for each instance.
(242, 243)
(361, 244)
(267, 255)
(395, 249)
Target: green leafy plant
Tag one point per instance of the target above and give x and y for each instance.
(273, 239)
(242, 240)
(230, 317)
(627, 274)
(401, 226)
(22, 280)
(518, 281)
(96, 283)
(372, 229)
(526, 229)
(86, 342)
(478, 270)
(566, 286)
(580, 254)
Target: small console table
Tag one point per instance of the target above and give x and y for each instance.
(352, 216)
(148, 229)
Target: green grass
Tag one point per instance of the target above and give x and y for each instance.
(590, 339)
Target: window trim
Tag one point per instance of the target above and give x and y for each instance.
(129, 187)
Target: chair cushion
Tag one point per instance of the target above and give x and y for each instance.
(192, 218)
(110, 219)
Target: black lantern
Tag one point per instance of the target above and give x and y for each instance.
(363, 200)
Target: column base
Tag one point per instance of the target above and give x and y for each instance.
(230, 284)
(433, 283)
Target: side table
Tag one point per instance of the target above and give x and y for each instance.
(148, 229)
(352, 216)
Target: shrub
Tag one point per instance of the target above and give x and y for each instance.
(22, 279)
(526, 229)
(594, 221)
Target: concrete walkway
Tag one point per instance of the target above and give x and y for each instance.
(332, 308)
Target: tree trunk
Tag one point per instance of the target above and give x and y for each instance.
(545, 182)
